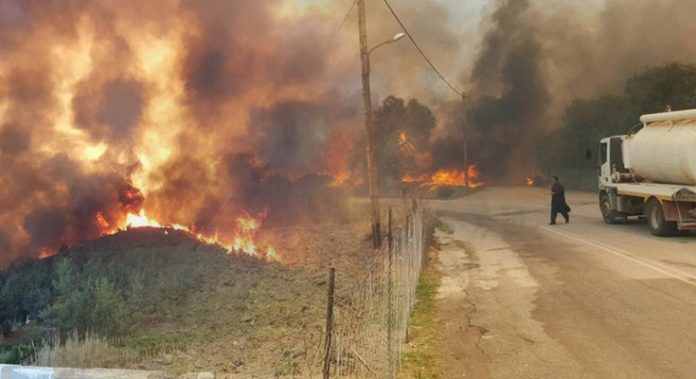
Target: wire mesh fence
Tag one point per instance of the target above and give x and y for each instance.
(370, 317)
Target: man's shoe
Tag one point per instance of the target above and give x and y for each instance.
(552, 223)
(568, 220)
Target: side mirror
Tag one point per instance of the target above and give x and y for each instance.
(588, 155)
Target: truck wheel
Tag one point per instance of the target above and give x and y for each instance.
(656, 220)
(609, 215)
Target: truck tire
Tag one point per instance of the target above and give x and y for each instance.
(609, 215)
(656, 220)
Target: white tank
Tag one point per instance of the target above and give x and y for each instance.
(664, 151)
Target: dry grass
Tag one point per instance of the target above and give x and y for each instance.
(92, 351)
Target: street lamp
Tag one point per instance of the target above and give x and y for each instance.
(396, 37)
(372, 177)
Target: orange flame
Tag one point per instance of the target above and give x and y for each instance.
(451, 177)
(404, 141)
(242, 243)
(336, 152)
(538, 179)
(44, 254)
(101, 222)
(422, 159)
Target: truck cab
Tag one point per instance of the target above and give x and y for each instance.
(612, 171)
(609, 155)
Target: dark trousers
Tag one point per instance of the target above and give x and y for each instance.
(554, 214)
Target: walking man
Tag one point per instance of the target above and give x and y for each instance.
(558, 202)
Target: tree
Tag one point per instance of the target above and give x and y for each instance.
(108, 312)
(401, 131)
(585, 122)
(69, 312)
(654, 89)
(5, 320)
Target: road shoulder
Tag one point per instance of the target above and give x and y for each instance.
(461, 352)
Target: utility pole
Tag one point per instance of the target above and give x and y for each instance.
(369, 127)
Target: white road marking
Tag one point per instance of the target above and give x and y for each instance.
(645, 262)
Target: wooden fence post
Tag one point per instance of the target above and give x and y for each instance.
(329, 324)
(390, 235)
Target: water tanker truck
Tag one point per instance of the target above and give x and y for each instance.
(651, 173)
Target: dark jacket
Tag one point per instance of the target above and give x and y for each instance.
(558, 201)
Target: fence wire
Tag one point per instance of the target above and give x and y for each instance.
(371, 317)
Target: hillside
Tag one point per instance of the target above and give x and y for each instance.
(172, 304)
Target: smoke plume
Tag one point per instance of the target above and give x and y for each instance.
(196, 111)
(199, 111)
(535, 57)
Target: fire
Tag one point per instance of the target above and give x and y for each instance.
(243, 241)
(45, 254)
(340, 179)
(336, 152)
(404, 141)
(448, 178)
(538, 179)
(141, 220)
(247, 227)
(415, 179)
(451, 177)
(422, 159)
(101, 222)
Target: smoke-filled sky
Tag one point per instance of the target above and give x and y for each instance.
(180, 106)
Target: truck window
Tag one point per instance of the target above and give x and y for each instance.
(603, 153)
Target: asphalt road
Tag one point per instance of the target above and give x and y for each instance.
(522, 299)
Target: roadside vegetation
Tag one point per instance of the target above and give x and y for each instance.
(420, 360)
(73, 296)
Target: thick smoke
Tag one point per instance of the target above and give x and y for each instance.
(199, 111)
(195, 111)
(113, 112)
(535, 57)
(291, 135)
(511, 92)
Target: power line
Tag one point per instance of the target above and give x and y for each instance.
(408, 34)
(343, 22)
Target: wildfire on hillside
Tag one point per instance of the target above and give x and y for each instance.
(242, 242)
